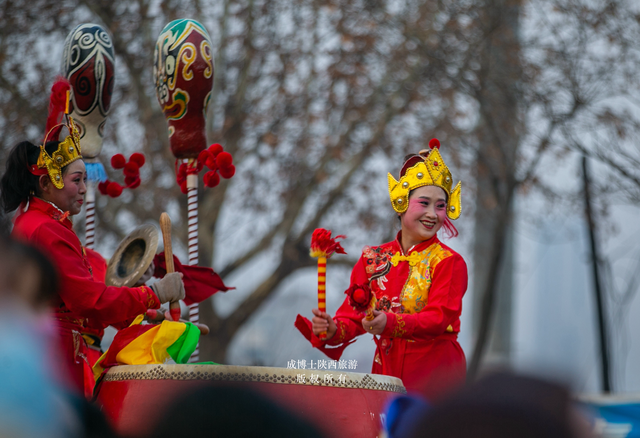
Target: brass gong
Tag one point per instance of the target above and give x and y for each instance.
(133, 256)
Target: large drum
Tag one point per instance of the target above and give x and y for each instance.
(340, 404)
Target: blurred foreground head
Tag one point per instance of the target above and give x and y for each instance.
(504, 405)
(230, 412)
(27, 277)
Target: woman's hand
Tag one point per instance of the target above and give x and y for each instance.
(377, 324)
(323, 322)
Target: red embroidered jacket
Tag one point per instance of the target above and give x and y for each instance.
(81, 295)
(421, 293)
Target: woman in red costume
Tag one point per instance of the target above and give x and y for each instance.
(418, 282)
(46, 184)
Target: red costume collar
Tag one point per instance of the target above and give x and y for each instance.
(51, 211)
(419, 247)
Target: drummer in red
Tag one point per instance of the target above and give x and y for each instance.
(46, 184)
(418, 283)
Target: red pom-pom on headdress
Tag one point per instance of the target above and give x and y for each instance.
(57, 105)
(434, 143)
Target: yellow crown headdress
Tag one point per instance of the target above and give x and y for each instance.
(429, 170)
(69, 149)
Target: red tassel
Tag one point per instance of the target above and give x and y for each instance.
(57, 105)
(434, 143)
(322, 244)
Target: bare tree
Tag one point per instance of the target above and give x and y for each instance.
(317, 100)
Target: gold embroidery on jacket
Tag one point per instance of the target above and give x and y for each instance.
(415, 293)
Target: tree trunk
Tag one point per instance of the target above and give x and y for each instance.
(498, 136)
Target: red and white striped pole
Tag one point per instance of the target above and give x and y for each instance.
(192, 214)
(90, 223)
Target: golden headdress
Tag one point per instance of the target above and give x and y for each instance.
(69, 149)
(425, 170)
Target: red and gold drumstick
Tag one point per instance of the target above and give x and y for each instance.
(323, 247)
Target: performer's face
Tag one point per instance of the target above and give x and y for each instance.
(424, 216)
(71, 197)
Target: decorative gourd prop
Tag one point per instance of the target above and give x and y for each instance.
(183, 71)
(88, 63)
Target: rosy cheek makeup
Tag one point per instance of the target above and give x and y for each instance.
(415, 204)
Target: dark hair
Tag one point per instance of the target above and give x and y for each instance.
(47, 288)
(18, 183)
(225, 411)
(501, 405)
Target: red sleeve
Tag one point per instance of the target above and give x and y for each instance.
(444, 304)
(80, 293)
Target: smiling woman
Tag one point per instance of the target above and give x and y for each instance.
(46, 184)
(418, 283)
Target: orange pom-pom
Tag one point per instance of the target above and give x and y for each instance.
(215, 149)
(114, 189)
(434, 143)
(227, 172)
(138, 158)
(211, 179)
(118, 161)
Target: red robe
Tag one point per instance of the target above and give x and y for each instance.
(81, 295)
(421, 295)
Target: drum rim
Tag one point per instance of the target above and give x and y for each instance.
(238, 373)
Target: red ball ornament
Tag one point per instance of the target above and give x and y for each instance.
(138, 158)
(215, 149)
(224, 159)
(227, 172)
(204, 155)
(359, 296)
(118, 161)
(211, 163)
(434, 143)
(131, 169)
(134, 184)
(211, 179)
(114, 189)
(102, 187)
